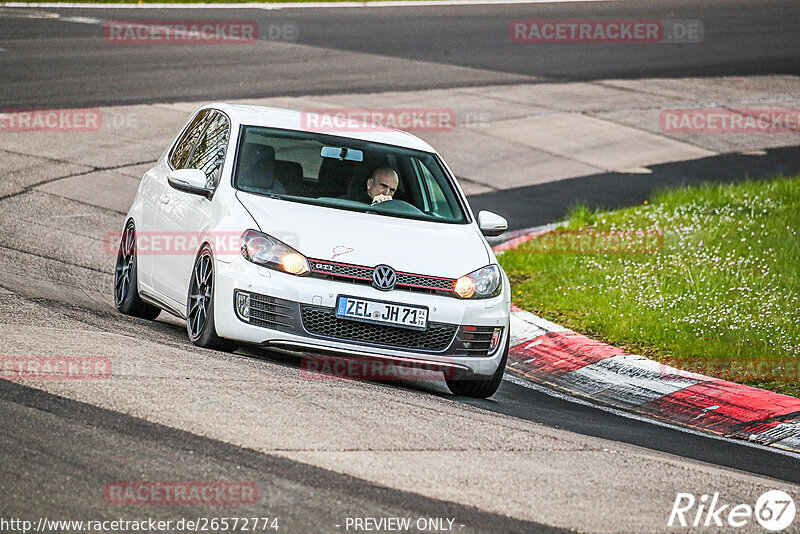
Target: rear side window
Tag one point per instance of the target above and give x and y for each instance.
(209, 153)
(183, 148)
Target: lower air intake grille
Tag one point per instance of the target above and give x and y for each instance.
(323, 322)
(474, 340)
(270, 312)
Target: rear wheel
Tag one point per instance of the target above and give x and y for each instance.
(126, 288)
(481, 388)
(200, 306)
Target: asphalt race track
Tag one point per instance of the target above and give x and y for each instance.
(51, 62)
(322, 451)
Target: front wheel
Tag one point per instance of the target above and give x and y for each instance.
(481, 388)
(200, 306)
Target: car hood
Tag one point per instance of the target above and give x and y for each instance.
(407, 245)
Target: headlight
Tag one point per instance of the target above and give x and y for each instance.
(265, 250)
(481, 284)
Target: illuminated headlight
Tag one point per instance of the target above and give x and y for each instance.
(265, 250)
(480, 284)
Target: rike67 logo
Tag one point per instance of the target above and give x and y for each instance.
(775, 511)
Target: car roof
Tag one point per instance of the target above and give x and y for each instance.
(290, 119)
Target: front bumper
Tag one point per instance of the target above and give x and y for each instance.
(296, 313)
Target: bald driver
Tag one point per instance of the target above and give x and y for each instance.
(381, 186)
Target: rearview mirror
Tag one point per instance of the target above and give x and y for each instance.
(342, 153)
(189, 181)
(491, 224)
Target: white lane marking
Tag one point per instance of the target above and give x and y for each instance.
(641, 418)
(46, 15)
(82, 20)
(303, 5)
(27, 14)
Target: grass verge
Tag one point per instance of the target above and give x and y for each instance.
(716, 293)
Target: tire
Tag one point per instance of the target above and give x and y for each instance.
(126, 285)
(481, 388)
(200, 305)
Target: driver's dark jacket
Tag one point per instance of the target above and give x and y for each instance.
(359, 196)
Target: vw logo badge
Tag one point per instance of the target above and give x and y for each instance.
(383, 278)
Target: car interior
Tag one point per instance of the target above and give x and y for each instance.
(260, 172)
(322, 170)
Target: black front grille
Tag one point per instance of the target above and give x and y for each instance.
(271, 312)
(363, 275)
(322, 321)
(428, 282)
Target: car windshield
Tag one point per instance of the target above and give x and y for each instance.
(289, 165)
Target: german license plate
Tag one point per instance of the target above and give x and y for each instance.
(388, 313)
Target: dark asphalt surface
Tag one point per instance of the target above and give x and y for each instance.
(540, 204)
(525, 403)
(63, 451)
(55, 63)
(66, 452)
(51, 62)
(58, 455)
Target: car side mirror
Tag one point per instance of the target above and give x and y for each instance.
(491, 224)
(190, 181)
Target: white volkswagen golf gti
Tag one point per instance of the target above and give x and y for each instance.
(257, 229)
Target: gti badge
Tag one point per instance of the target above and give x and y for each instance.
(384, 278)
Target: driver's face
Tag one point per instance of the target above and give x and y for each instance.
(382, 185)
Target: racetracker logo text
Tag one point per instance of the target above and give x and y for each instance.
(376, 119)
(330, 368)
(35, 368)
(779, 370)
(597, 242)
(552, 31)
(730, 121)
(186, 243)
(181, 32)
(50, 120)
(181, 493)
